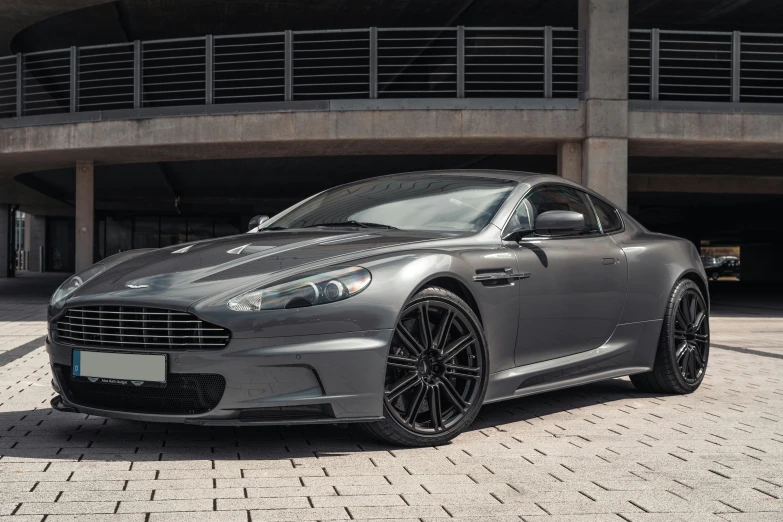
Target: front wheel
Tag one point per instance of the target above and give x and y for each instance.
(436, 371)
(684, 345)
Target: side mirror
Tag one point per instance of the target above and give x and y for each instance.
(256, 222)
(559, 221)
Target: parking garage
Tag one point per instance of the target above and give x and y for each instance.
(182, 135)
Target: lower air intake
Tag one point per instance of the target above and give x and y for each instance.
(283, 413)
(184, 394)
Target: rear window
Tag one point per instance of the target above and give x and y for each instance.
(607, 215)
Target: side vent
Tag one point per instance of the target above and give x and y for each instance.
(498, 277)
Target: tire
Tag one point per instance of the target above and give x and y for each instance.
(451, 374)
(684, 345)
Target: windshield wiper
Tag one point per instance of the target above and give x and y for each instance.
(352, 223)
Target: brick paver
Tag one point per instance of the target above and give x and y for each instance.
(602, 452)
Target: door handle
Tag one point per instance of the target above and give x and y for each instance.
(610, 261)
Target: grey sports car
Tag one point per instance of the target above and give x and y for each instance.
(402, 302)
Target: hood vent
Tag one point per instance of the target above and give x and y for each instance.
(183, 250)
(238, 250)
(349, 239)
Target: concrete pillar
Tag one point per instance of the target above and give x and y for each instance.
(85, 214)
(27, 219)
(604, 25)
(5, 258)
(36, 242)
(569, 161)
(605, 168)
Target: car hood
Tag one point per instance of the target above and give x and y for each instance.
(176, 277)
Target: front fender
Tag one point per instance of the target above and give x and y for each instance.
(395, 280)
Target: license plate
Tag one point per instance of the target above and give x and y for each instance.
(122, 369)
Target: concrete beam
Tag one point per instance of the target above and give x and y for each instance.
(312, 133)
(569, 161)
(738, 135)
(606, 118)
(85, 214)
(706, 184)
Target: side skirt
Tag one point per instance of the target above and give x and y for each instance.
(630, 350)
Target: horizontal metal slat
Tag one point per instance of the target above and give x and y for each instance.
(145, 344)
(141, 327)
(137, 327)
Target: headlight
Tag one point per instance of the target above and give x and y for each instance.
(74, 282)
(327, 287)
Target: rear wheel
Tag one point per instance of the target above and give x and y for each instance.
(684, 345)
(436, 371)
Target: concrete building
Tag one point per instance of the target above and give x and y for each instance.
(136, 123)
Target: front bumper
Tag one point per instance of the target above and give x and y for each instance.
(332, 378)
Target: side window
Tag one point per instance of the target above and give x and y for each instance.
(553, 197)
(608, 215)
(521, 219)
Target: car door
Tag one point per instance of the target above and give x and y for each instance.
(575, 293)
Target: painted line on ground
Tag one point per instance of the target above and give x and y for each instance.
(748, 351)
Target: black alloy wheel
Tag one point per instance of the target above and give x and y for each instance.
(684, 345)
(691, 336)
(436, 372)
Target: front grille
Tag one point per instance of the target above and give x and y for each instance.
(136, 327)
(184, 394)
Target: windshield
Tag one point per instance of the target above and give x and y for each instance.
(443, 203)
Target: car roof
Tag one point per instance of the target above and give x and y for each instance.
(531, 178)
(510, 175)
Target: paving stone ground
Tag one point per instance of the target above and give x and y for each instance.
(602, 452)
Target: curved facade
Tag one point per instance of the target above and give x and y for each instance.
(125, 116)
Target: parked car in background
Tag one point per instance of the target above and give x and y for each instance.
(730, 266)
(724, 266)
(711, 266)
